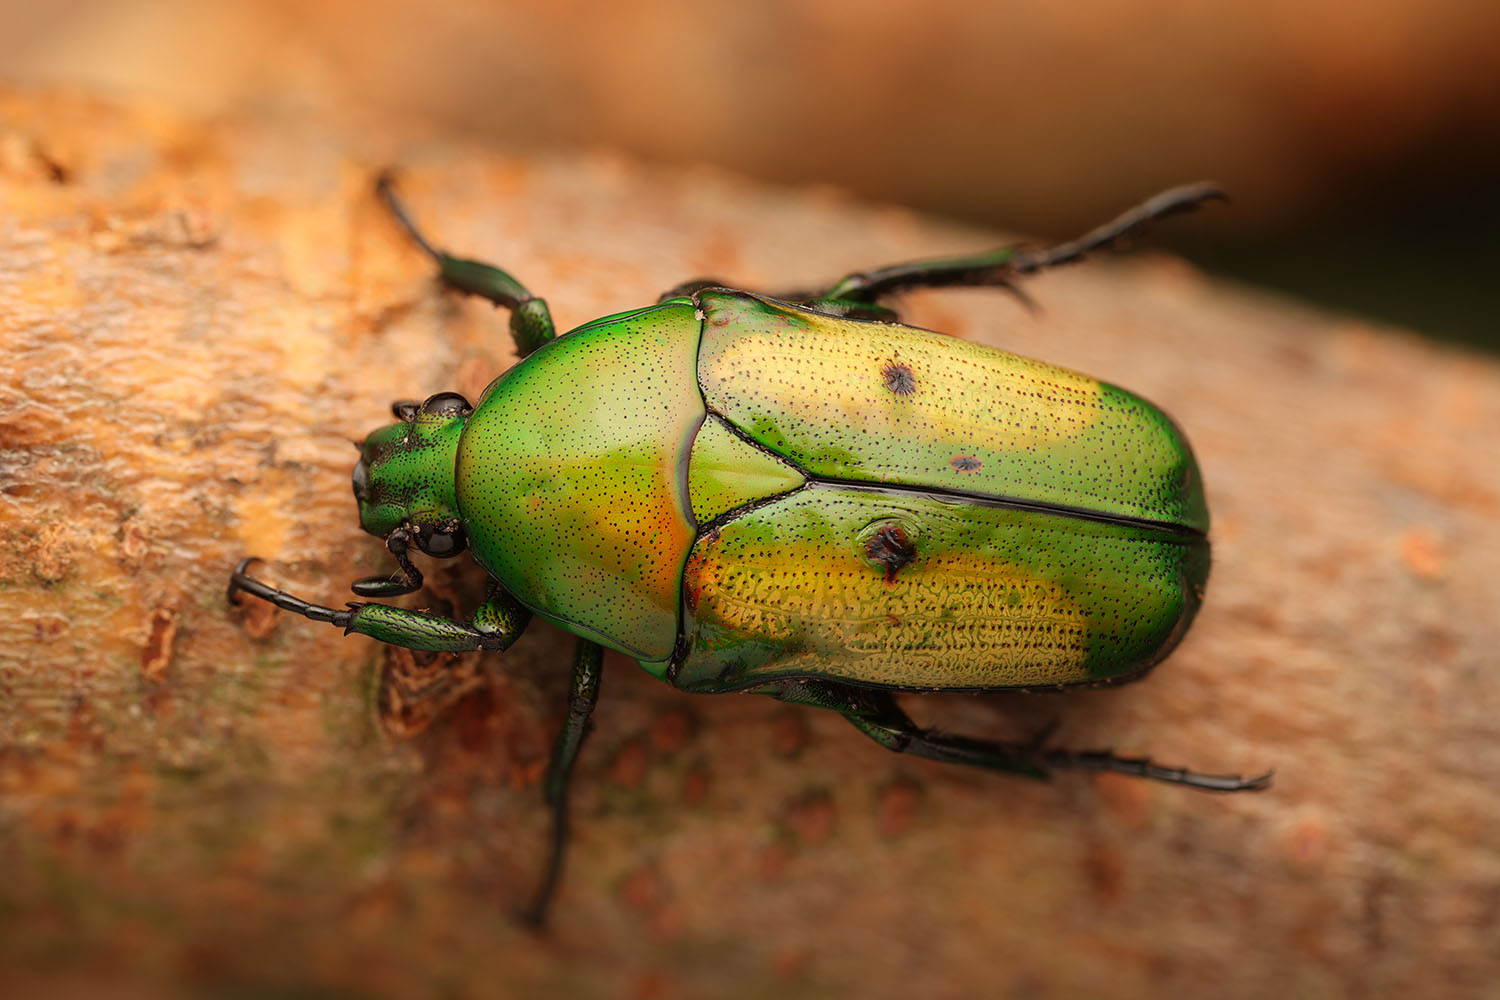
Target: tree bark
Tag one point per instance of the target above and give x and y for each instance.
(200, 316)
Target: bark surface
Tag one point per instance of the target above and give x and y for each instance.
(199, 317)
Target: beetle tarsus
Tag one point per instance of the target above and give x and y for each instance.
(998, 268)
(240, 580)
(1144, 767)
(385, 187)
(1172, 201)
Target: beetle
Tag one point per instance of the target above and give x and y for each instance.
(795, 495)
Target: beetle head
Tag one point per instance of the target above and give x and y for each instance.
(404, 478)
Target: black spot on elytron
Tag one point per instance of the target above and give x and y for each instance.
(965, 463)
(899, 378)
(892, 549)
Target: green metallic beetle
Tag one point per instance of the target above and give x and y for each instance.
(797, 496)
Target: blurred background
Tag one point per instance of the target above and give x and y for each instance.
(1361, 141)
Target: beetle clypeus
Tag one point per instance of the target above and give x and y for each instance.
(796, 495)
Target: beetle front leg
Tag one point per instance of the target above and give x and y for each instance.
(530, 320)
(583, 694)
(496, 625)
(885, 723)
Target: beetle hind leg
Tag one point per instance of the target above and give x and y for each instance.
(856, 295)
(842, 308)
(1000, 268)
(883, 721)
(1144, 767)
(893, 729)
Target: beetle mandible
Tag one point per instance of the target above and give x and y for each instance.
(796, 495)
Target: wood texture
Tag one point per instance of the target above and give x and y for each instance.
(198, 317)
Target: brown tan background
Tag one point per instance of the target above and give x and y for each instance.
(1361, 140)
(203, 306)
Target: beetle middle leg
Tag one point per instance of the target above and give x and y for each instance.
(495, 626)
(583, 695)
(530, 320)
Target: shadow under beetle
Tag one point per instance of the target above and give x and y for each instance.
(795, 495)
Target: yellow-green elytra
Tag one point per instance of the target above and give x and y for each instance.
(800, 497)
(704, 486)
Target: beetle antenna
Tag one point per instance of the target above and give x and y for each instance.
(1029, 303)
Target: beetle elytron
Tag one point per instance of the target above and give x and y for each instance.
(797, 496)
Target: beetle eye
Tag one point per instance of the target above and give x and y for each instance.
(444, 541)
(447, 403)
(361, 481)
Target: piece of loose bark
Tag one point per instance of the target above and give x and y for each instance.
(198, 318)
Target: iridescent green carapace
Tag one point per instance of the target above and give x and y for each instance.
(730, 489)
